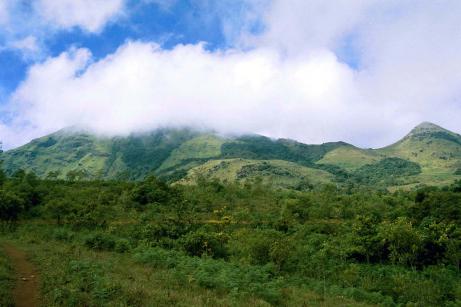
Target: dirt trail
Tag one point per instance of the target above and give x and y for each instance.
(26, 291)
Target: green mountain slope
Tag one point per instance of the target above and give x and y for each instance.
(60, 152)
(350, 157)
(168, 153)
(429, 154)
(435, 149)
(274, 172)
(97, 157)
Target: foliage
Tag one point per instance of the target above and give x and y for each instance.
(387, 169)
(6, 281)
(238, 243)
(10, 206)
(100, 241)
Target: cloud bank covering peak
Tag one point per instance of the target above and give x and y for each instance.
(362, 71)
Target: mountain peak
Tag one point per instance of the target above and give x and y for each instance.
(426, 127)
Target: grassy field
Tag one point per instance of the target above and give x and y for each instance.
(350, 158)
(6, 279)
(74, 275)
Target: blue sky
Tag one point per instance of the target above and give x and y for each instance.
(362, 71)
(181, 22)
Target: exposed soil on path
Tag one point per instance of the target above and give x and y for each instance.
(26, 291)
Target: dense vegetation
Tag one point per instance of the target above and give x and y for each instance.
(6, 281)
(263, 148)
(386, 172)
(137, 243)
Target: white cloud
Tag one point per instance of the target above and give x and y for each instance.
(25, 26)
(4, 15)
(295, 26)
(90, 15)
(288, 82)
(409, 68)
(142, 87)
(27, 44)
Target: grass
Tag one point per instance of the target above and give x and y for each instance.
(6, 280)
(275, 172)
(350, 158)
(438, 158)
(60, 153)
(73, 275)
(201, 147)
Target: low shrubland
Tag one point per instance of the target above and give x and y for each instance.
(147, 243)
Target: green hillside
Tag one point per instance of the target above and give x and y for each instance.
(60, 153)
(435, 149)
(167, 153)
(429, 154)
(273, 172)
(90, 156)
(350, 157)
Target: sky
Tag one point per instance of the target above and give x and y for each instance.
(360, 71)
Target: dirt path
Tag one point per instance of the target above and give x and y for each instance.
(26, 291)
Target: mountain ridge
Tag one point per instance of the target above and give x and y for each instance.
(179, 154)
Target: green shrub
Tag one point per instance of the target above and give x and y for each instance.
(6, 281)
(158, 257)
(83, 284)
(62, 234)
(205, 243)
(122, 245)
(100, 241)
(215, 274)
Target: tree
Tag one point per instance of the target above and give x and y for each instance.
(440, 242)
(10, 206)
(2, 173)
(365, 241)
(58, 208)
(151, 191)
(402, 240)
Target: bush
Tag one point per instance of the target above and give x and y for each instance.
(10, 206)
(122, 245)
(100, 242)
(85, 285)
(158, 257)
(6, 280)
(205, 243)
(260, 247)
(209, 273)
(63, 234)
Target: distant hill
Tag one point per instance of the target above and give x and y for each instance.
(169, 153)
(429, 154)
(435, 149)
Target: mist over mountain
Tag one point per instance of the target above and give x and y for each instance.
(305, 70)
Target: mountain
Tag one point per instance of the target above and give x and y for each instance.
(350, 158)
(428, 154)
(91, 156)
(173, 154)
(435, 149)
